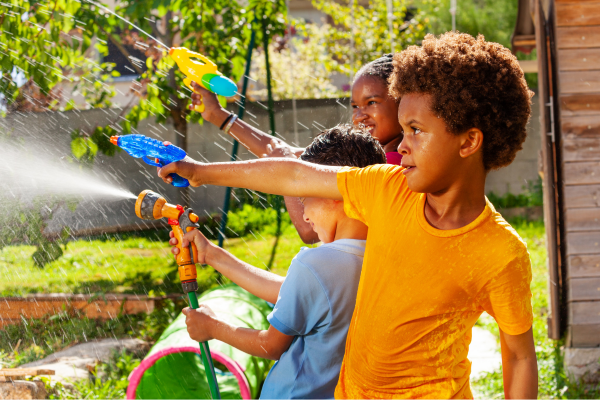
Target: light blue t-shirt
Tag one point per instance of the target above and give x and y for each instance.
(315, 304)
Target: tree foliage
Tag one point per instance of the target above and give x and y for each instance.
(44, 44)
(300, 66)
(52, 42)
(357, 34)
(219, 29)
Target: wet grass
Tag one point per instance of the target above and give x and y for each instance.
(133, 265)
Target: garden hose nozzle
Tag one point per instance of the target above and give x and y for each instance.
(151, 206)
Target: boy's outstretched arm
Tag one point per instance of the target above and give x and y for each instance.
(203, 324)
(283, 176)
(251, 138)
(519, 365)
(261, 283)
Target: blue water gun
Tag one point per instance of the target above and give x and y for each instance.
(152, 152)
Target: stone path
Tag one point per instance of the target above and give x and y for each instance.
(75, 362)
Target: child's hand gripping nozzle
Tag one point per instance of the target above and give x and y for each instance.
(152, 152)
(151, 206)
(204, 72)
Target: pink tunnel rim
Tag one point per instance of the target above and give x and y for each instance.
(233, 366)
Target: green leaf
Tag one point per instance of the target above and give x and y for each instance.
(92, 146)
(78, 147)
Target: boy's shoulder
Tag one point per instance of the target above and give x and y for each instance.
(505, 237)
(329, 259)
(327, 253)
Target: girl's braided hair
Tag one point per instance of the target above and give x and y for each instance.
(381, 68)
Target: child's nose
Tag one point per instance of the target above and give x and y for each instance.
(403, 147)
(358, 116)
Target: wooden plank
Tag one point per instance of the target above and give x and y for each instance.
(585, 335)
(584, 312)
(579, 81)
(578, 14)
(583, 243)
(577, 37)
(581, 149)
(582, 219)
(579, 104)
(575, 1)
(584, 289)
(578, 59)
(586, 196)
(581, 173)
(581, 126)
(529, 66)
(584, 266)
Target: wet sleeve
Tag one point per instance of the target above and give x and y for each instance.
(507, 296)
(361, 187)
(302, 305)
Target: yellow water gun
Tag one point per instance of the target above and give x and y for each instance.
(204, 72)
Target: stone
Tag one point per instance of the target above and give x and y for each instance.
(23, 390)
(75, 362)
(583, 363)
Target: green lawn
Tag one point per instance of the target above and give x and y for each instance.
(131, 265)
(144, 265)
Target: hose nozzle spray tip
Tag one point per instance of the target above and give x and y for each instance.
(114, 140)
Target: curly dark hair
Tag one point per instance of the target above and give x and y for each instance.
(381, 68)
(344, 145)
(473, 84)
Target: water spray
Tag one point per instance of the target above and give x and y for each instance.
(25, 175)
(152, 206)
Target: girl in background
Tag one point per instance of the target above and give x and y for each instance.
(372, 107)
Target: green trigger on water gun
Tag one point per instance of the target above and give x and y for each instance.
(203, 71)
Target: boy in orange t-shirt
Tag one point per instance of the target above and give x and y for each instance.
(437, 252)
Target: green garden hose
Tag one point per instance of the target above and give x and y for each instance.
(209, 368)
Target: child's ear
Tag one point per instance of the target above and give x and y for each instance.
(472, 141)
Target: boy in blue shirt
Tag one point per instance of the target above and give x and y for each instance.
(315, 301)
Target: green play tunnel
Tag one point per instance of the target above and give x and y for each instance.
(173, 368)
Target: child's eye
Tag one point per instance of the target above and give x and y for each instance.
(416, 131)
(354, 106)
(372, 102)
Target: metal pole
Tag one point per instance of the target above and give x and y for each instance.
(390, 19)
(352, 3)
(453, 7)
(294, 110)
(241, 109)
(277, 201)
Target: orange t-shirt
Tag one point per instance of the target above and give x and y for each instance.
(422, 289)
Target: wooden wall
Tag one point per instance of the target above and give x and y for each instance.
(578, 48)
